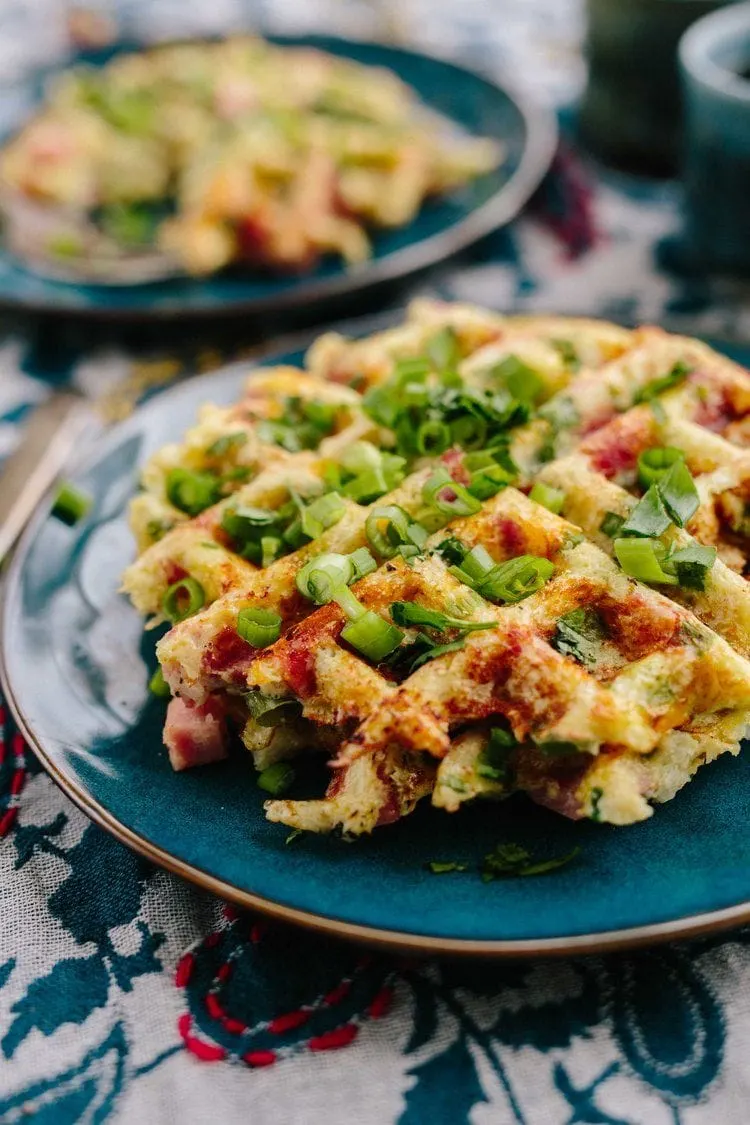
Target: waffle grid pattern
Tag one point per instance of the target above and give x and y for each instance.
(669, 687)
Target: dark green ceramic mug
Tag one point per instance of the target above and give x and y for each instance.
(715, 65)
(631, 111)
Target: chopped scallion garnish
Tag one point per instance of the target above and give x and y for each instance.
(653, 464)
(550, 498)
(158, 686)
(183, 599)
(362, 563)
(644, 559)
(276, 779)
(371, 635)
(448, 497)
(521, 380)
(70, 505)
(259, 627)
(192, 492)
(321, 514)
(433, 438)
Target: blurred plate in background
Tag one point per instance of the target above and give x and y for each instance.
(476, 104)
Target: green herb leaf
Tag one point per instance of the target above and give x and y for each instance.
(611, 524)
(409, 614)
(510, 861)
(445, 867)
(580, 634)
(673, 378)
(494, 761)
(691, 565)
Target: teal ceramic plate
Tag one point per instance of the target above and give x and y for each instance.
(443, 228)
(76, 668)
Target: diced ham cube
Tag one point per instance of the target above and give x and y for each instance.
(195, 736)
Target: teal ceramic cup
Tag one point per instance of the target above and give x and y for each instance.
(715, 64)
(631, 111)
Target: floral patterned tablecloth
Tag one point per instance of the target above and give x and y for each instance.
(126, 995)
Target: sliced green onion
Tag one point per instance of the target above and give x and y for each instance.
(371, 635)
(362, 563)
(70, 505)
(433, 438)
(245, 522)
(448, 497)
(382, 404)
(259, 627)
(468, 431)
(516, 579)
(611, 524)
(673, 378)
(521, 380)
(679, 494)
(387, 528)
(225, 444)
(331, 569)
(361, 456)
(270, 549)
(158, 686)
(321, 414)
(443, 350)
(477, 564)
(321, 514)
(691, 565)
(346, 600)
(648, 518)
(276, 779)
(550, 498)
(367, 486)
(332, 476)
(190, 491)
(412, 368)
(643, 559)
(183, 599)
(486, 483)
(654, 463)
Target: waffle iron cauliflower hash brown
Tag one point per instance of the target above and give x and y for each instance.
(206, 153)
(469, 556)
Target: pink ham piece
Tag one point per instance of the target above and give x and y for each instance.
(195, 736)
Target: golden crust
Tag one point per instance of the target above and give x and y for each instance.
(670, 687)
